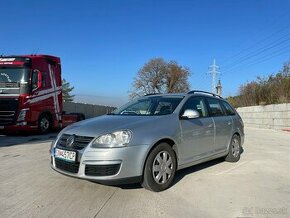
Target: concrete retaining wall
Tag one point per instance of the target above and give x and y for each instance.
(89, 110)
(274, 116)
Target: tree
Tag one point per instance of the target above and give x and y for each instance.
(66, 89)
(272, 89)
(159, 76)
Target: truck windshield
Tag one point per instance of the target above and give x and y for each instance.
(150, 106)
(12, 77)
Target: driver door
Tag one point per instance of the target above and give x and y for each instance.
(197, 134)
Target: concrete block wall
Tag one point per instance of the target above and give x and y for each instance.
(89, 110)
(274, 116)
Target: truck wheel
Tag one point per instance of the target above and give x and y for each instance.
(160, 168)
(44, 123)
(234, 150)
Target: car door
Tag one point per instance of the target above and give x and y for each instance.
(197, 135)
(223, 124)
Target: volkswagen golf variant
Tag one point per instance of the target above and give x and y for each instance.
(149, 139)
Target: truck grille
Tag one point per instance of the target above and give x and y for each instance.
(102, 170)
(8, 110)
(67, 166)
(79, 142)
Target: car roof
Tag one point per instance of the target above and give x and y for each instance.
(190, 93)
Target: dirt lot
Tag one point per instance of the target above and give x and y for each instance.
(257, 186)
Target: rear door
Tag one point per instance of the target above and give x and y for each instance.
(223, 124)
(197, 134)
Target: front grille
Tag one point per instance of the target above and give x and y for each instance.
(79, 143)
(67, 166)
(8, 109)
(102, 170)
(9, 84)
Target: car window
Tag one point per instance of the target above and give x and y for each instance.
(34, 80)
(148, 106)
(141, 107)
(196, 103)
(229, 110)
(44, 78)
(215, 107)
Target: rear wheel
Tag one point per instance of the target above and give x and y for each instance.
(160, 168)
(234, 150)
(44, 123)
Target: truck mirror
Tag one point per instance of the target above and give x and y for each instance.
(39, 79)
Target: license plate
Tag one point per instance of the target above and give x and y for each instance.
(1, 127)
(65, 155)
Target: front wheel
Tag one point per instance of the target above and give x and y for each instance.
(160, 168)
(234, 149)
(44, 123)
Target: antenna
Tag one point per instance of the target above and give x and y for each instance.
(32, 53)
(213, 70)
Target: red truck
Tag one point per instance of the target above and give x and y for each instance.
(31, 94)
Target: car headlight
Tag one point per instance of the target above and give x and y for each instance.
(113, 140)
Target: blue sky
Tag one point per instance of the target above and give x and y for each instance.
(102, 44)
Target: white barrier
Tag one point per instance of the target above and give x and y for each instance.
(274, 116)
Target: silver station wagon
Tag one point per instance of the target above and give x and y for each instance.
(149, 139)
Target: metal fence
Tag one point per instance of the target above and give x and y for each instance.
(89, 110)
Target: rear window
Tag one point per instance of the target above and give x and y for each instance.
(215, 107)
(228, 108)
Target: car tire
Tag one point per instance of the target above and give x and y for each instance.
(235, 149)
(160, 168)
(44, 124)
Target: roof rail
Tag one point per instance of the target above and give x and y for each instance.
(152, 94)
(208, 93)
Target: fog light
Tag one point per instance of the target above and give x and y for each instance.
(22, 124)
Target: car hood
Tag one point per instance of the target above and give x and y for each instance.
(109, 123)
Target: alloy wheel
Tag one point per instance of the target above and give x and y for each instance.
(162, 167)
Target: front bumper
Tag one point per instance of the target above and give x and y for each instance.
(13, 128)
(130, 160)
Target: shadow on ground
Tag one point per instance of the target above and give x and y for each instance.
(180, 174)
(14, 139)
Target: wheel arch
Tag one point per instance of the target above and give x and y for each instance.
(167, 140)
(50, 116)
(236, 132)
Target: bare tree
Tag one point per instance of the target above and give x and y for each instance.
(177, 78)
(158, 76)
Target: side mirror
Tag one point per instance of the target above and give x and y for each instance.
(190, 114)
(39, 80)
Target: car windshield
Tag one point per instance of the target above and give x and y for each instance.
(149, 106)
(13, 75)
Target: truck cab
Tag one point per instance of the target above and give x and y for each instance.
(31, 94)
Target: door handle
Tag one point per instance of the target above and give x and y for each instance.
(210, 126)
(229, 123)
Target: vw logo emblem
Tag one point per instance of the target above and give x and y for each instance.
(70, 140)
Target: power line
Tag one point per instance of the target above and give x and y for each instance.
(258, 42)
(263, 59)
(240, 53)
(259, 51)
